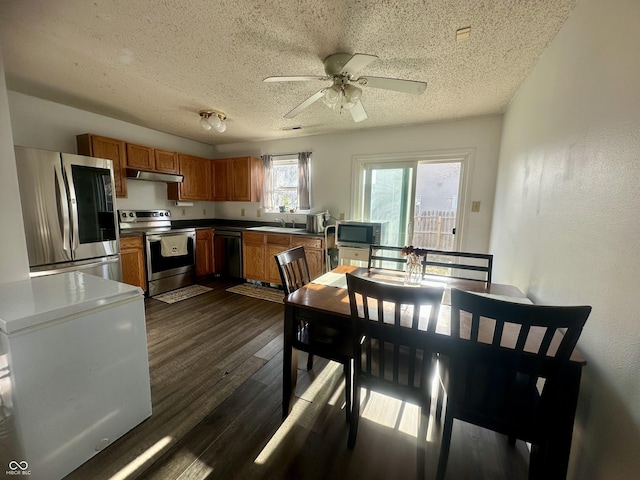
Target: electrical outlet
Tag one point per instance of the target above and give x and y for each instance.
(475, 206)
(342, 216)
(242, 212)
(204, 211)
(258, 213)
(184, 212)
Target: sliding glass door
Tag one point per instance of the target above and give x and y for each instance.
(388, 189)
(418, 200)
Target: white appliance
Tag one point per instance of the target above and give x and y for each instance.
(74, 371)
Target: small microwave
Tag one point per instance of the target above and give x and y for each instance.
(360, 234)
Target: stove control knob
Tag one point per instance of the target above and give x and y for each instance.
(168, 213)
(131, 214)
(124, 215)
(161, 214)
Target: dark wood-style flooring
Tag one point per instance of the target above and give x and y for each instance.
(216, 384)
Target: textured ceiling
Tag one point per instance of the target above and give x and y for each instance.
(157, 63)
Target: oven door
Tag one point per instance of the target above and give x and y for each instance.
(163, 266)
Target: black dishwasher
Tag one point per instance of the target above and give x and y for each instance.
(228, 252)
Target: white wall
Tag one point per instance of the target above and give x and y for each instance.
(332, 157)
(566, 225)
(42, 124)
(14, 263)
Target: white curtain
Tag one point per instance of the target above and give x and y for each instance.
(304, 181)
(267, 182)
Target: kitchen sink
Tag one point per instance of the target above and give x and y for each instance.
(267, 228)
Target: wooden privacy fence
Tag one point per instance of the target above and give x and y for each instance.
(434, 229)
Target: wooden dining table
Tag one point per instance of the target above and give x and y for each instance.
(325, 300)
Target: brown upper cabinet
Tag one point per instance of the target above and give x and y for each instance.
(221, 181)
(151, 159)
(197, 179)
(139, 156)
(237, 179)
(166, 162)
(110, 148)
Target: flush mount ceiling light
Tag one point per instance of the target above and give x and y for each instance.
(213, 119)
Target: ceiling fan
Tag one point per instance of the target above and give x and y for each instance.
(345, 92)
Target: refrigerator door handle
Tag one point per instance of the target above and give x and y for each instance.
(63, 207)
(75, 236)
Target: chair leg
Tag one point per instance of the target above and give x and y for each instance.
(355, 414)
(422, 440)
(348, 390)
(444, 447)
(309, 362)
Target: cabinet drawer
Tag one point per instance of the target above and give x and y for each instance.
(251, 237)
(284, 240)
(308, 242)
(131, 242)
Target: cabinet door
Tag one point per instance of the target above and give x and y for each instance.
(246, 175)
(315, 259)
(253, 256)
(221, 179)
(271, 268)
(204, 252)
(139, 156)
(110, 148)
(314, 251)
(132, 259)
(166, 162)
(197, 179)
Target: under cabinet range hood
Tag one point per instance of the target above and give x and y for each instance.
(154, 176)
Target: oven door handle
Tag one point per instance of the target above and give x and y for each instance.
(156, 238)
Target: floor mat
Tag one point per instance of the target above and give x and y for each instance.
(258, 291)
(182, 293)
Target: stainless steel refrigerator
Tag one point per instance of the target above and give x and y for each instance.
(70, 220)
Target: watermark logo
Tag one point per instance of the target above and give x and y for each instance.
(18, 468)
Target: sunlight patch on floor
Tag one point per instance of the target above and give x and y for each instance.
(316, 389)
(141, 459)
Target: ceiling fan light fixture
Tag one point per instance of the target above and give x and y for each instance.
(213, 119)
(332, 95)
(352, 94)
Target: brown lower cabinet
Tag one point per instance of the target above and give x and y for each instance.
(204, 252)
(132, 259)
(258, 250)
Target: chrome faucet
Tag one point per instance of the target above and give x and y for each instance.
(282, 224)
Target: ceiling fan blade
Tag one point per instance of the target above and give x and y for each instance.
(358, 113)
(299, 78)
(396, 84)
(313, 98)
(357, 63)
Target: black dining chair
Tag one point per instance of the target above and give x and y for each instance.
(463, 265)
(392, 348)
(513, 391)
(314, 338)
(386, 256)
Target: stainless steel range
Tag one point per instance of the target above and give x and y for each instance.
(170, 253)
